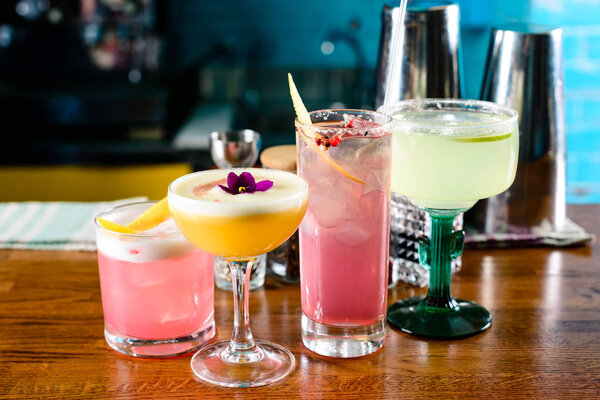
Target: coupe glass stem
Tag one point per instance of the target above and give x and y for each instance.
(438, 253)
(242, 348)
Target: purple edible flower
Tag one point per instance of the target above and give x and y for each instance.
(245, 183)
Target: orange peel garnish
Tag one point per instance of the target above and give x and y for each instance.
(304, 118)
(155, 215)
(114, 227)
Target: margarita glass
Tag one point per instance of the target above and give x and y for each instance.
(345, 156)
(157, 288)
(239, 227)
(448, 154)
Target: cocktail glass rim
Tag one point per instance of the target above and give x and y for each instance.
(243, 135)
(230, 206)
(385, 127)
(454, 130)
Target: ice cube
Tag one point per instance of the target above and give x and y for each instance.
(332, 199)
(377, 179)
(355, 232)
(309, 226)
(329, 214)
(368, 221)
(351, 121)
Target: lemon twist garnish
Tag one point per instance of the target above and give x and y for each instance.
(114, 227)
(155, 215)
(304, 118)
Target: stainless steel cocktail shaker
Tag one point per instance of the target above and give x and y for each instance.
(524, 71)
(429, 67)
(430, 58)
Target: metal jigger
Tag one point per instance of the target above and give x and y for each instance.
(524, 71)
(235, 149)
(429, 67)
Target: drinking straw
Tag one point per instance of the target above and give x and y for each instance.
(397, 43)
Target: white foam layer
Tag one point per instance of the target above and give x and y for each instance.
(198, 193)
(161, 242)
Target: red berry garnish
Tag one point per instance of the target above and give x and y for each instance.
(318, 141)
(334, 141)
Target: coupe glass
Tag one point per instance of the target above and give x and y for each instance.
(240, 231)
(448, 154)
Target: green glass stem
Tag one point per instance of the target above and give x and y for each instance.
(438, 315)
(437, 254)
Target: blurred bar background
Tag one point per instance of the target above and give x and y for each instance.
(103, 99)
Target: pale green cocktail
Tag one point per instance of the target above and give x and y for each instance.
(448, 154)
(449, 159)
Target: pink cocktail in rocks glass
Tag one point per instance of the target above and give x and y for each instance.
(345, 156)
(157, 288)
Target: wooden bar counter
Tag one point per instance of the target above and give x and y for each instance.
(544, 341)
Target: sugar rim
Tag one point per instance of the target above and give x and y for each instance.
(480, 106)
(385, 126)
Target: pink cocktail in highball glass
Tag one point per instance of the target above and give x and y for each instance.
(345, 156)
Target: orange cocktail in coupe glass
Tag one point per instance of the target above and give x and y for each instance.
(239, 214)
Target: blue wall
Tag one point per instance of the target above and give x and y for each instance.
(580, 20)
(276, 34)
(279, 33)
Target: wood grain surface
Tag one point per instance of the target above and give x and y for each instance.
(544, 342)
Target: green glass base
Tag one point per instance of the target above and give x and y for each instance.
(412, 316)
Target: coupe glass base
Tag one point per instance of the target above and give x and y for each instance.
(157, 347)
(210, 365)
(342, 341)
(412, 316)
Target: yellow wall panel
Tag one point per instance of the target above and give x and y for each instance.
(83, 183)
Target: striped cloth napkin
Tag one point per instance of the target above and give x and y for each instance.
(58, 225)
